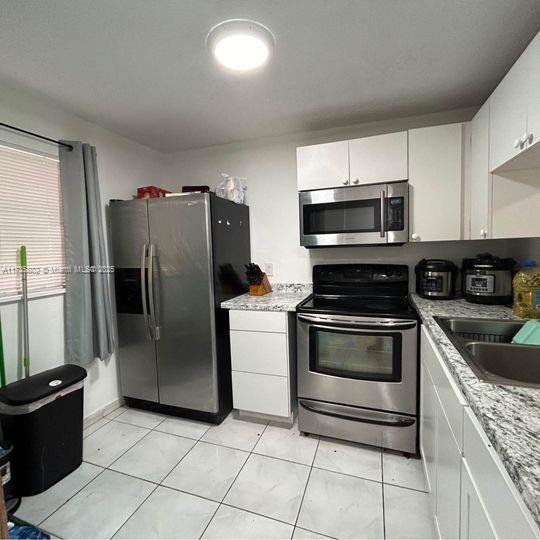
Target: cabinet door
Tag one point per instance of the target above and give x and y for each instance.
(480, 197)
(435, 179)
(323, 165)
(508, 115)
(264, 394)
(428, 422)
(533, 89)
(382, 158)
(474, 522)
(448, 478)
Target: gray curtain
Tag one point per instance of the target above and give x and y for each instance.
(89, 322)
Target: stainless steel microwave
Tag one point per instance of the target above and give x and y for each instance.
(355, 216)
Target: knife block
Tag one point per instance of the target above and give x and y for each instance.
(263, 288)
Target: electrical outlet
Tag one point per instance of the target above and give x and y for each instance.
(269, 269)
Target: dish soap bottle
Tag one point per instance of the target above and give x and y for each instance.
(527, 291)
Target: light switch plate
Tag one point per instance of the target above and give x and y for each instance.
(269, 269)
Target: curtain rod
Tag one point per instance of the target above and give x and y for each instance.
(59, 143)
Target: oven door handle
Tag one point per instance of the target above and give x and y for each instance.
(350, 323)
(365, 416)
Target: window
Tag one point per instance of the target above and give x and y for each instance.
(30, 215)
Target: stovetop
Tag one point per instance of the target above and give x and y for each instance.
(360, 289)
(394, 307)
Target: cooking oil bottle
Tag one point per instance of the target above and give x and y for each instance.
(527, 291)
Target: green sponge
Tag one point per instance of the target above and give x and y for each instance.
(529, 334)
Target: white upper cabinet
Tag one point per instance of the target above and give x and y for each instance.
(369, 160)
(382, 158)
(435, 179)
(480, 177)
(533, 90)
(323, 165)
(515, 109)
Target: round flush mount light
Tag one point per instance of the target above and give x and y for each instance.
(240, 45)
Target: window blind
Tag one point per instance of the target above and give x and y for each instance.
(30, 215)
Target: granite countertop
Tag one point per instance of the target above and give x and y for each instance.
(510, 415)
(284, 297)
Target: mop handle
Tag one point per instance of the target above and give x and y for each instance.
(26, 344)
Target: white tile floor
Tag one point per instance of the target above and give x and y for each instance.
(149, 476)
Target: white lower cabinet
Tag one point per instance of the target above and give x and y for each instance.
(471, 494)
(428, 433)
(475, 521)
(263, 362)
(263, 394)
(440, 448)
(448, 463)
(502, 504)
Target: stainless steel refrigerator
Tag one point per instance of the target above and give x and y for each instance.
(176, 259)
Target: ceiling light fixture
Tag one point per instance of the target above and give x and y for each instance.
(240, 45)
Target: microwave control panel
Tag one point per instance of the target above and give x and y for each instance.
(395, 213)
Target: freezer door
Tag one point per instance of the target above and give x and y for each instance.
(136, 353)
(183, 301)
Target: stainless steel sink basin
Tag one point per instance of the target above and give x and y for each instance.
(486, 346)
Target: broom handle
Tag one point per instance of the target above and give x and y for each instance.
(26, 345)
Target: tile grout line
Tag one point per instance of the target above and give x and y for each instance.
(258, 514)
(131, 515)
(306, 486)
(235, 478)
(78, 491)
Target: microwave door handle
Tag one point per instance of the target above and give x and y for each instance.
(382, 197)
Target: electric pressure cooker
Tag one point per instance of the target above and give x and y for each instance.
(487, 279)
(436, 279)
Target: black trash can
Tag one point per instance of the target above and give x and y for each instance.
(42, 417)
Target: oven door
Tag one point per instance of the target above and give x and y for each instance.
(358, 361)
(374, 214)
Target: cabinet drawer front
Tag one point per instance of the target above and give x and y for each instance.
(259, 321)
(259, 352)
(503, 503)
(265, 394)
(452, 399)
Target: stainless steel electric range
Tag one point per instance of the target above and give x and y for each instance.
(357, 345)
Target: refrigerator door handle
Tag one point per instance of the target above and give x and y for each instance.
(151, 299)
(143, 290)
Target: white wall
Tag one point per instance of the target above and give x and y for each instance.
(270, 168)
(122, 165)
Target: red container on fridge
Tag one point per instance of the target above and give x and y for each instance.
(150, 192)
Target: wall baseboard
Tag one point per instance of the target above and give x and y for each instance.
(104, 411)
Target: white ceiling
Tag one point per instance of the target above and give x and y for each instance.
(141, 68)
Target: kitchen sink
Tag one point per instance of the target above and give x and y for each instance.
(486, 346)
